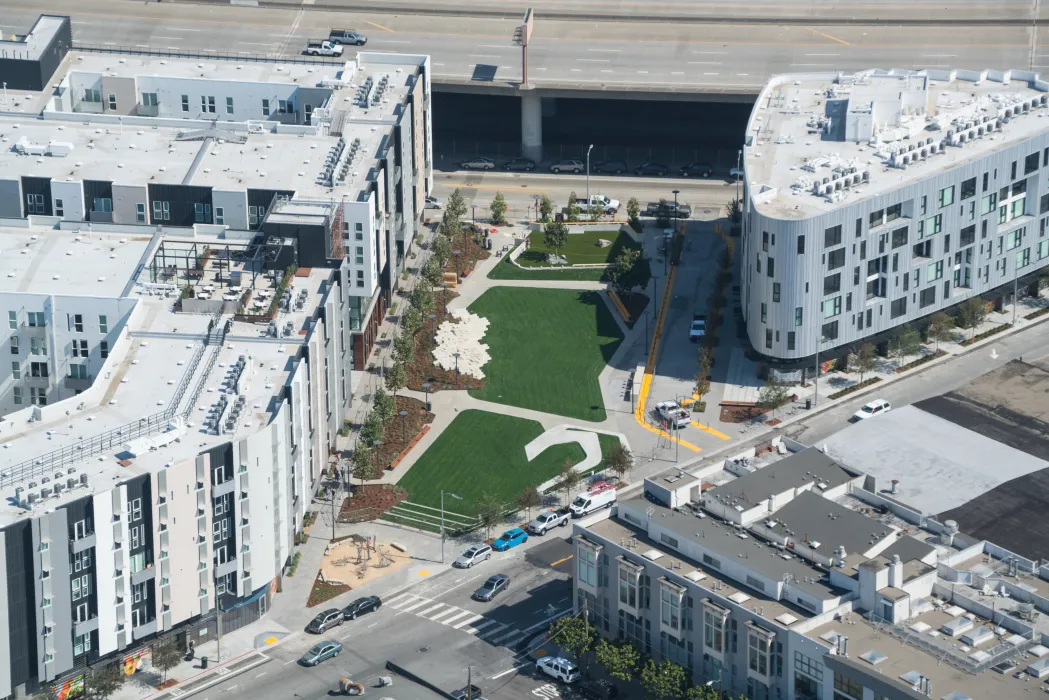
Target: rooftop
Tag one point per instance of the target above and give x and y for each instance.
(813, 518)
(793, 471)
(31, 45)
(818, 141)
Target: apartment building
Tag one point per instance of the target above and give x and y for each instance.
(168, 476)
(790, 579)
(878, 198)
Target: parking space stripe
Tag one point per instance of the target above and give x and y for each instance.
(448, 611)
(481, 626)
(431, 609)
(421, 603)
(467, 621)
(453, 618)
(512, 634)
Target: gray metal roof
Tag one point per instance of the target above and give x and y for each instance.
(813, 518)
(908, 548)
(788, 473)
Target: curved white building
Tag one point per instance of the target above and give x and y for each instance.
(879, 198)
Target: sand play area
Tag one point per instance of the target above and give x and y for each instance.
(360, 560)
(463, 336)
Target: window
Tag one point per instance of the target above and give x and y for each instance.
(765, 241)
(82, 560)
(670, 608)
(898, 308)
(149, 99)
(935, 271)
(923, 249)
(36, 319)
(797, 316)
(1019, 187)
(112, 99)
(968, 188)
(1018, 207)
(12, 320)
(771, 267)
(848, 301)
(758, 263)
(832, 307)
(359, 255)
(17, 395)
(627, 587)
(77, 371)
(137, 562)
(82, 644)
(76, 323)
(924, 205)
(60, 209)
(587, 566)
(832, 236)
(801, 245)
(899, 237)
(140, 213)
(1013, 239)
(207, 104)
(832, 283)
(1031, 163)
(946, 197)
(16, 370)
(135, 509)
(139, 592)
(229, 105)
(968, 236)
(1023, 258)
(38, 369)
(989, 203)
(713, 630)
(757, 655)
(201, 213)
(877, 218)
(92, 95)
(360, 278)
(775, 292)
(844, 687)
(830, 331)
(136, 536)
(768, 339)
(836, 259)
(161, 211)
(711, 561)
(79, 348)
(14, 345)
(764, 312)
(284, 106)
(790, 340)
(358, 229)
(221, 530)
(220, 215)
(35, 204)
(185, 103)
(928, 297)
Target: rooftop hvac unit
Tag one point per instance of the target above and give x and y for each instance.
(83, 479)
(71, 483)
(45, 492)
(58, 488)
(31, 498)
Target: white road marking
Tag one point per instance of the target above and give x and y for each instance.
(175, 38)
(709, 53)
(938, 55)
(372, 625)
(414, 606)
(676, 73)
(289, 662)
(401, 598)
(704, 63)
(606, 50)
(823, 54)
(260, 675)
(593, 60)
(576, 70)
(467, 621)
(401, 602)
(644, 72)
(453, 618)
(508, 671)
(481, 626)
(497, 630)
(435, 607)
(441, 614)
(711, 74)
(512, 634)
(607, 71)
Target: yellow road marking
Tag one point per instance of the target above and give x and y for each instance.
(379, 26)
(828, 36)
(424, 572)
(562, 561)
(504, 188)
(713, 432)
(270, 640)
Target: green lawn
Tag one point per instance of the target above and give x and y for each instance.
(484, 452)
(548, 347)
(506, 270)
(581, 248)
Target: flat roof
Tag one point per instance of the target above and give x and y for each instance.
(35, 41)
(908, 549)
(814, 126)
(790, 472)
(813, 518)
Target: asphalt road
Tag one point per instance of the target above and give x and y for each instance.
(723, 57)
(433, 629)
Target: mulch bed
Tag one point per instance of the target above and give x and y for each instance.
(370, 501)
(740, 414)
(323, 592)
(169, 683)
(635, 304)
(393, 442)
(422, 368)
(470, 253)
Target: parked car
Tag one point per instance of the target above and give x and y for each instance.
(324, 621)
(361, 606)
(510, 539)
(524, 164)
(697, 170)
(316, 47)
(433, 202)
(597, 496)
(559, 668)
(477, 164)
(470, 692)
(603, 204)
(610, 166)
(347, 36)
(549, 520)
(698, 329)
(673, 414)
(874, 408)
(734, 172)
(492, 587)
(321, 651)
(652, 169)
(568, 166)
(473, 555)
(669, 210)
(601, 689)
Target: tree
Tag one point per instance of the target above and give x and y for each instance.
(972, 313)
(704, 363)
(361, 463)
(421, 299)
(454, 211)
(555, 235)
(905, 342)
(702, 692)
(104, 682)
(594, 213)
(404, 348)
(663, 215)
(620, 461)
(939, 330)
(372, 429)
(568, 479)
(664, 681)
(546, 208)
(166, 656)
(498, 209)
(396, 378)
(734, 210)
(619, 660)
(864, 360)
(384, 405)
(412, 320)
(442, 250)
(489, 513)
(528, 499)
(432, 272)
(772, 395)
(633, 212)
(573, 207)
(574, 634)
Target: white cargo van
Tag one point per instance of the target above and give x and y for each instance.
(597, 496)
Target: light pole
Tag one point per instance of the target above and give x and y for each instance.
(588, 177)
(442, 519)
(676, 223)
(457, 356)
(537, 208)
(473, 216)
(433, 327)
(404, 427)
(456, 253)
(426, 389)
(375, 446)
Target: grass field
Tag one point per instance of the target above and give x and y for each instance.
(484, 452)
(548, 347)
(580, 249)
(506, 270)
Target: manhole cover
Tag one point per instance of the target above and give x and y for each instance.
(424, 649)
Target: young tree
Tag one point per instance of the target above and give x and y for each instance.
(971, 314)
(621, 271)
(396, 378)
(489, 513)
(702, 692)
(555, 235)
(568, 479)
(664, 681)
(620, 660)
(864, 360)
(633, 212)
(166, 657)
(663, 216)
(404, 348)
(498, 209)
(384, 405)
(455, 208)
(432, 273)
(104, 682)
(705, 362)
(528, 499)
(734, 210)
(421, 299)
(940, 326)
(412, 319)
(574, 634)
(905, 342)
(372, 429)
(442, 251)
(573, 207)
(773, 395)
(361, 463)
(594, 213)
(620, 461)
(546, 208)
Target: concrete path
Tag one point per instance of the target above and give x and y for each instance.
(562, 434)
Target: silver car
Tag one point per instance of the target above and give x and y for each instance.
(567, 166)
(474, 555)
(492, 587)
(477, 164)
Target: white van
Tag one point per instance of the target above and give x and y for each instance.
(597, 496)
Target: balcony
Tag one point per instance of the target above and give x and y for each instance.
(224, 569)
(144, 630)
(86, 542)
(89, 625)
(147, 574)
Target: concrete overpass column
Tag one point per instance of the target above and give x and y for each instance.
(531, 125)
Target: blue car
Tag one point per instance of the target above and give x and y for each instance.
(510, 538)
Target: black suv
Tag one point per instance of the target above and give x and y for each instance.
(611, 166)
(651, 169)
(697, 170)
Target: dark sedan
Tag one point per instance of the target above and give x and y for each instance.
(361, 606)
(611, 166)
(523, 164)
(657, 169)
(697, 170)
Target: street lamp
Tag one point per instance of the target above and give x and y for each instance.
(433, 327)
(537, 207)
(404, 427)
(676, 216)
(456, 253)
(474, 214)
(426, 389)
(442, 519)
(588, 177)
(457, 356)
(375, 454)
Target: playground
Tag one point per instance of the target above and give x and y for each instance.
(356, 561)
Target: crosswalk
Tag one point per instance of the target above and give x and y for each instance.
(466, 621)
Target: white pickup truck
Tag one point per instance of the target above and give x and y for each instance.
(599, 202)
(698, 329)
(322, 48)
(673, 414)
(548, 520)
